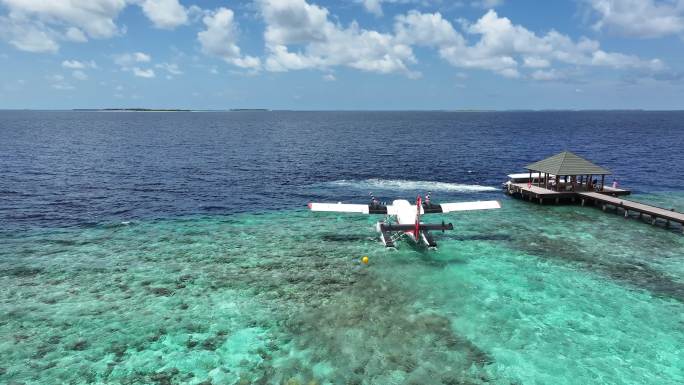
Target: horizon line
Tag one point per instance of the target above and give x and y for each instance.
(146, 109)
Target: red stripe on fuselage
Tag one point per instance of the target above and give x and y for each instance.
(416, 230)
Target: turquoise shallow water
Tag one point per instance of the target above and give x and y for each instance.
(525, 295)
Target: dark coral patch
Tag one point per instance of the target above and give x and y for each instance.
(79, 345)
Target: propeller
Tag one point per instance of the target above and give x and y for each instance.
(374, 200)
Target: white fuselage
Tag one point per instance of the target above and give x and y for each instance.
(404, 211)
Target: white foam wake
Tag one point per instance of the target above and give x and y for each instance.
(413, 185)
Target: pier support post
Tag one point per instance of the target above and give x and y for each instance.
(582, 202)
(626, 213)
(603, 208)
(653, 220)
(557, 200)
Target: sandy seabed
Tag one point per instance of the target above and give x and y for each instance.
(526, 295)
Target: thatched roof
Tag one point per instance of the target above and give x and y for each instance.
(567, 163)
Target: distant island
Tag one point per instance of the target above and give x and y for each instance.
(133, 109)
(166, 109)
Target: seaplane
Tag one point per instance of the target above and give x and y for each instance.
(402, 219)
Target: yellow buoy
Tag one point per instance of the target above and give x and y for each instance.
(364, 259)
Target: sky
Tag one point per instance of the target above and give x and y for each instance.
(342, 55)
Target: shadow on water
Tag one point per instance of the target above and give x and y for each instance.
(634, 273)
(346, 237)
(432, 257)
(482, 237)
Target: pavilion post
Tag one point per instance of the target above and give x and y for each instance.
(603, 178)
(546, 180)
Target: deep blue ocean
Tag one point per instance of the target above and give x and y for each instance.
(176, 248)
(84, 168)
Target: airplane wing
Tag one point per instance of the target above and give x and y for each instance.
(461, 206)
(348, 208)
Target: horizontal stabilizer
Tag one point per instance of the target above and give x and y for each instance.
(422, 227)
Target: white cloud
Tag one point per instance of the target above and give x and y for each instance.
(76, 35)
(126, 60)
(57, 82)
(130, 62)
(619, 61)
(373, 6)
(39, 25)
(640, 18)
(171, 68)
(142, 57)
(80, 75)
(167, 14)
(428, 29)
(75, 64)
(502, 46)
(329, 77)
(59, 19)
(546, 75)
(63, 86)
(509, 73)
(94, 17)
(296, 23)
(27, 35)
(220, 38)
(535, 62)
(143, 73)
(300, 35)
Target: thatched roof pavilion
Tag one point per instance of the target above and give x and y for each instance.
(572, 169)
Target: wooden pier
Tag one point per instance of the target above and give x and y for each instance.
(653, 212)
(609, 199)
(568, 178)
